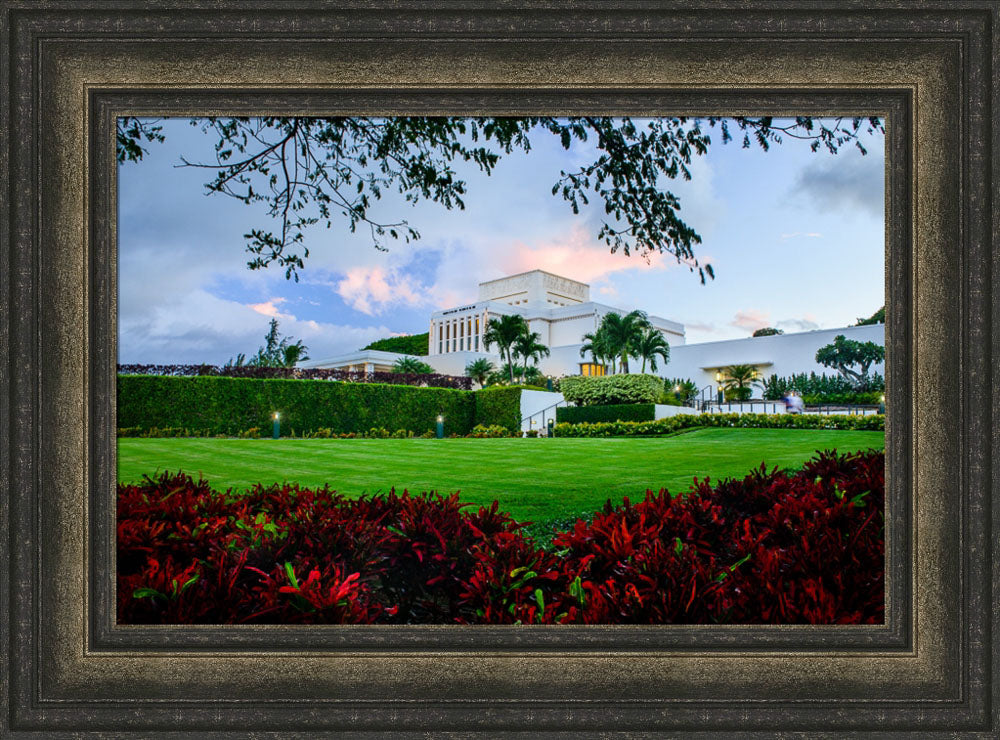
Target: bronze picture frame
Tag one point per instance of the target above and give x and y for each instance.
(70, 68)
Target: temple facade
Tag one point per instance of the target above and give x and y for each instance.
(561, 312)
(557, 308)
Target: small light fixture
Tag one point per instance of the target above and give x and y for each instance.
(440, 426)
(718, 377)
(276, 429)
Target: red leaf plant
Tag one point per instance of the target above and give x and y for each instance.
(772, 547)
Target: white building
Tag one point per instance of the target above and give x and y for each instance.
(561, 311)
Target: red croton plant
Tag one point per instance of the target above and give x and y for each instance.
(773, 548)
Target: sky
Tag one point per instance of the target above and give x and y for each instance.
(796, 240)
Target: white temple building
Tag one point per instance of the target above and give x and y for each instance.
(561, 311)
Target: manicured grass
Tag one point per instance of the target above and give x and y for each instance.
(540, 480)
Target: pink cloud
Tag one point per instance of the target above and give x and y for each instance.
(751, 319)
(372, 289)
(576, 256)
(270, 308)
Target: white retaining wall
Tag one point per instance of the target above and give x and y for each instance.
(535, 408)
(663, 410)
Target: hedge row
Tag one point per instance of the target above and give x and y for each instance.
(874, 422)
(194, 406)
(435, 380)
(613, 412)
(499, 406)
(218, 405)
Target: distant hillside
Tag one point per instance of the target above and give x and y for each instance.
(415, 344)
(876, 318)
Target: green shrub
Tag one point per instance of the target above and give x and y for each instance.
(672, 424)
(735, 393)
(210, 405)
(499, 406)
(820, 389)
(616, 412)
(686, 388)
(611, 389)
(494, 431)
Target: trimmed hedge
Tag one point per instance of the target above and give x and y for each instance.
(614, 412)
(499, 406)
(611, 389)
(874, 422)
(228, 406)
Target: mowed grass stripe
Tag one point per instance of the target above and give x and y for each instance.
(534, 479)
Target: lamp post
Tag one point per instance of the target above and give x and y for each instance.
(552, 431)
(276, 429)
(440, 426)
(881, 404)
(718, 379)
(677, 393)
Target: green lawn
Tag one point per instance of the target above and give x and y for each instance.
(535, 479)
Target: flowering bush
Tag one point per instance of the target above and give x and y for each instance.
(672, 424)
(770, 548)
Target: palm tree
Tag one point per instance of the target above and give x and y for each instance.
(508, 373)
(292, 354)
(651, 345)
(479, 370)
(528, 346)
(596, 344)
(411, 365)
(623, 333)
(503, 332)
(739, 379)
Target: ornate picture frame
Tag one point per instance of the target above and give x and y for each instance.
(69, 69)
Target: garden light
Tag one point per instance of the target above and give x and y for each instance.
(440, 426)
(881, 404)
(677, 392)
(276, 430)
(552, 432)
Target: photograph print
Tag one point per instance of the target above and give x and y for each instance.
(521, 371)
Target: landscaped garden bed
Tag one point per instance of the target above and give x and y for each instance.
(772, 547)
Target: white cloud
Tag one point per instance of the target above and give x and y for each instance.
(372, 290)
(806, 323)
(751, 319)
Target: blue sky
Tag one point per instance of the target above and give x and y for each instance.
(796, 240)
